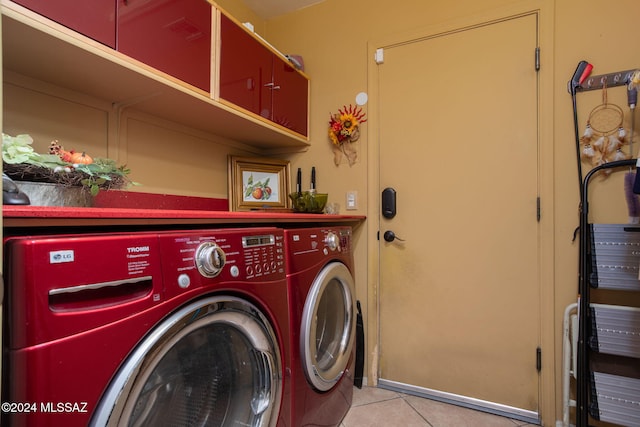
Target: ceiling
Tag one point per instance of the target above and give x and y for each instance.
(268, 9)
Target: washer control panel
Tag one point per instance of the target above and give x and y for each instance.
(263, 255)
(214, 257)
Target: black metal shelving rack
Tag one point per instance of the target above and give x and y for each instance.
(588, 394)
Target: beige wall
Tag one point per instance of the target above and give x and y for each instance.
(164, 157)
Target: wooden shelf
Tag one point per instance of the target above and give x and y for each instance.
(38, 48)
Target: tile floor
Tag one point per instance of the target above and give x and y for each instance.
(378, 407)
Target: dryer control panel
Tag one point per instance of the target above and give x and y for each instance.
(308, 246)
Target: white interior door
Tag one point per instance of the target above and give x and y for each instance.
(459, 298)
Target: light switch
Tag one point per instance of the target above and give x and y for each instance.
(352, 200)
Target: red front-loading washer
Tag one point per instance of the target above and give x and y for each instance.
(322, 300)
(149, 328)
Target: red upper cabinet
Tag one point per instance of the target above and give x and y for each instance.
(255, 78)
(173, 36)
(290, 97)
(95, 19)
(245, 69)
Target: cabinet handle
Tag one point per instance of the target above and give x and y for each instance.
(269, 84)
(272, 86)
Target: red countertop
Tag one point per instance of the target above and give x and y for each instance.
(125, 208)
(25, 216)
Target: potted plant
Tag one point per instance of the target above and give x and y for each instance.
(59, 172)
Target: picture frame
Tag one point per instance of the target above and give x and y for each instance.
(258, 183)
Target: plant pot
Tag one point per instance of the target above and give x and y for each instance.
(47, 194)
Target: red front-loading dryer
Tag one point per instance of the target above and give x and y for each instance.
(184, 328)
(322, 301)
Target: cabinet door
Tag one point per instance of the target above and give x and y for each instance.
(290, 97)
(173, 36)
(245, 69)
(95, 19)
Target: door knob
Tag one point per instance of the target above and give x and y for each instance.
(390, 236)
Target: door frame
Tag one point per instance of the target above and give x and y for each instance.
(544, 12)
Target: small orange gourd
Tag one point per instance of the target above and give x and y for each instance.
(81, 158)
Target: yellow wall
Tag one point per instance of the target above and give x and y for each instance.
(164, 157)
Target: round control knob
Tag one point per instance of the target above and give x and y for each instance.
(210, 259)
(332, 240)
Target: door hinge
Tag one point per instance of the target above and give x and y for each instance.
(538, 209)
(537, 59)
(538, 359)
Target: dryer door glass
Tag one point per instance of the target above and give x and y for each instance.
(328, 326)
(214, 365)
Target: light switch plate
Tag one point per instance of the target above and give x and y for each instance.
(352, 200)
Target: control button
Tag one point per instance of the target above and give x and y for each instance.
(184, 281)
(234, 270)
(249, 270)
(332, 241)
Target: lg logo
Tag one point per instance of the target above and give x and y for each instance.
(57, 257)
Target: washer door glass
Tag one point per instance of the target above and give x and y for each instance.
(328, 326)
(212, 363)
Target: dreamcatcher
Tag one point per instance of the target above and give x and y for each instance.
(604, 135)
